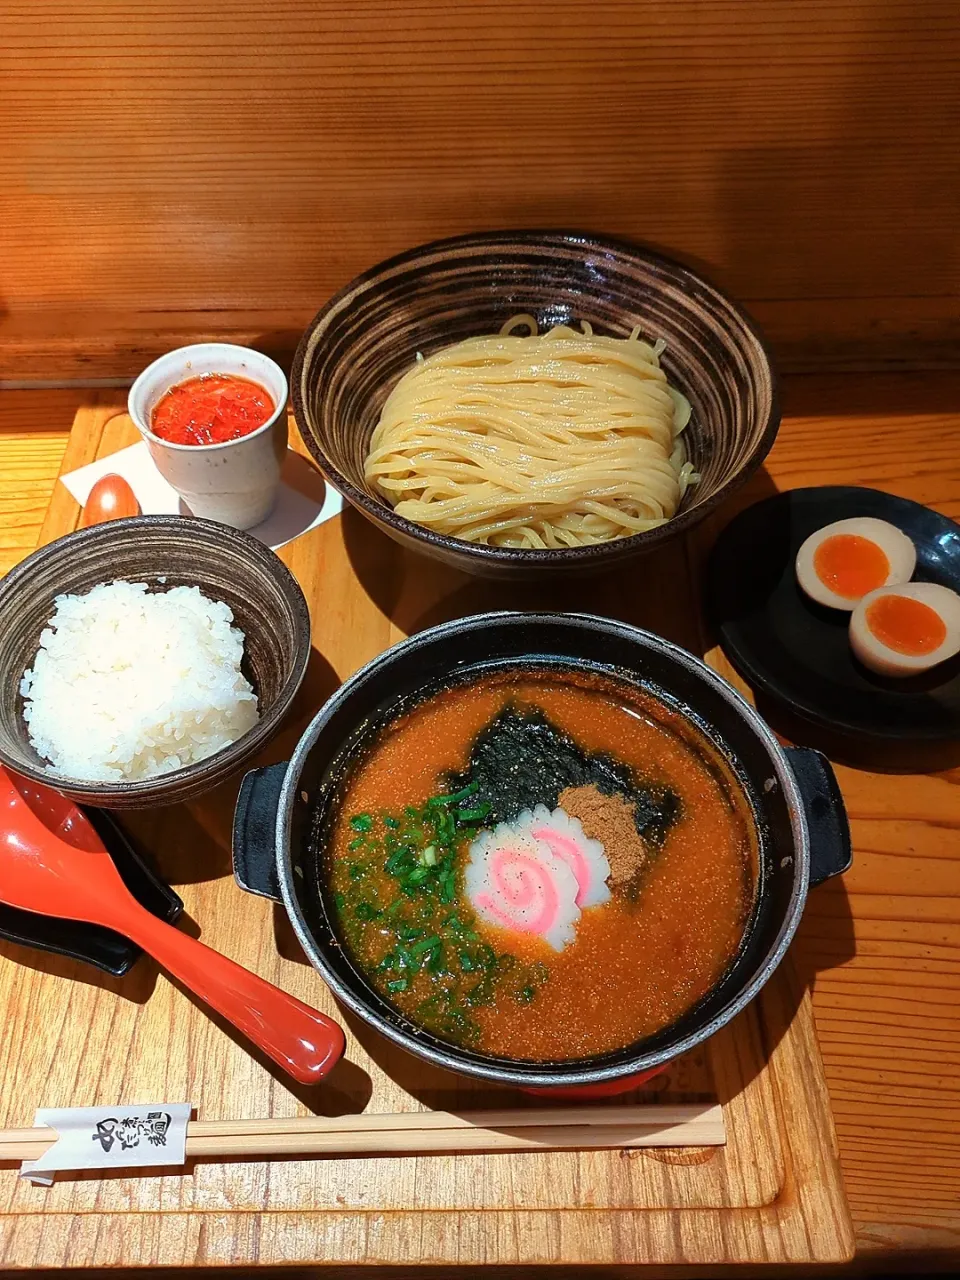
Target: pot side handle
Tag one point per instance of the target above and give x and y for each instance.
(830, 849)
(255, 831)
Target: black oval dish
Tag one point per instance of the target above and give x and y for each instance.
(797, 652)
(91, 942)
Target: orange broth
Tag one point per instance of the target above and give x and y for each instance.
(635, 965)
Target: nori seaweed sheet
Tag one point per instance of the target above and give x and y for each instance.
(521, 759)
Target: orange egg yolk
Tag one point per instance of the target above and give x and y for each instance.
(906, 625)
(851, 565)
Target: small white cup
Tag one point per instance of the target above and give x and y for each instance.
(235, 482)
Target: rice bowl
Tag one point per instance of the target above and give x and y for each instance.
(164, 552)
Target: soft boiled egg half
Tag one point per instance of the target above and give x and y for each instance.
(903, 630)
(840, 563)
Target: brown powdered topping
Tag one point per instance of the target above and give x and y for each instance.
(610, 820)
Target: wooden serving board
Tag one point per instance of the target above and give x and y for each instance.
(75, 1037)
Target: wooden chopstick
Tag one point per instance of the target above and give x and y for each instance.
(568, 1128)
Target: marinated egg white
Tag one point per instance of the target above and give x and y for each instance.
(841, 562)
(905, 629)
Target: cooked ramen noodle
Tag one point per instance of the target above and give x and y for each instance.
(533, 440)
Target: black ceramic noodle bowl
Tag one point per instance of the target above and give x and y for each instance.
(368, 335)
(803, 835)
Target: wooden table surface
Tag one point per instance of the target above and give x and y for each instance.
(881, 948)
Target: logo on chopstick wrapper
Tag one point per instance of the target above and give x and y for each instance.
(130, 1132)
(111, 1138)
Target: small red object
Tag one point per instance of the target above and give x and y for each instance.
(606, 1089)
(52, 862)
(211, 409)
(111, 498)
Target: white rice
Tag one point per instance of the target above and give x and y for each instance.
(129, 684)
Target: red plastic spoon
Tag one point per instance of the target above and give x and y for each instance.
(54, 863)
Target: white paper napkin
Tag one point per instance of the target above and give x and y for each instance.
(304, 501)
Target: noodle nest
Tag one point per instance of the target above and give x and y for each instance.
(533, 440)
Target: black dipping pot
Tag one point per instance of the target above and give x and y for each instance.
(802, 826)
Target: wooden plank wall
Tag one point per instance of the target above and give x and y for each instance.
(168, 171)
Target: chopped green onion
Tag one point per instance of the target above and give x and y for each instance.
(397, 863)
(429, 856)
(472, 815)
(468, 790)
(390, 822)
(361, 822)
(397, 984)
(425, 944)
